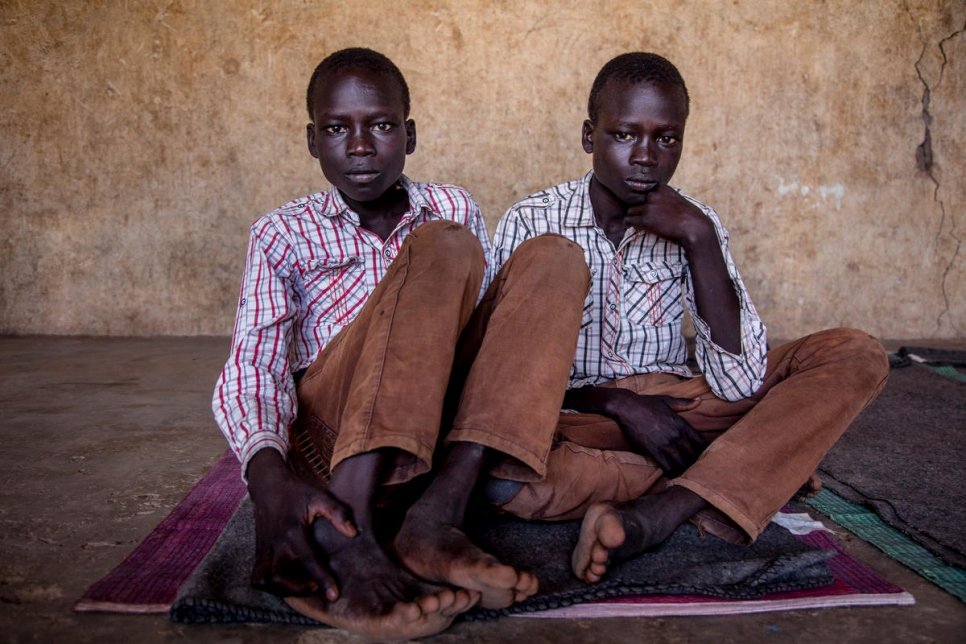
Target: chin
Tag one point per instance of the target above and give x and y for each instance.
(363, 195)
(635, 199)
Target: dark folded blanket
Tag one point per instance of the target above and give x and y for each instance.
(688, 563)
(903, 456)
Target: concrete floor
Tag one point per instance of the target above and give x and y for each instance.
(102, 437)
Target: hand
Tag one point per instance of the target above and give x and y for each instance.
(286, 563)
(653, 425)
(667, 214)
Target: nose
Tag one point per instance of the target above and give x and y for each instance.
(643, 153)
(359, 143)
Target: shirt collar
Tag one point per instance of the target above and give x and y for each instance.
(333, 205)
(579, 210)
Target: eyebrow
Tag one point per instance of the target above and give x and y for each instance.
(660, 126)
(382, 115)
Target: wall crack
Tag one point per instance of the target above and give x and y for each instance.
(924, 161)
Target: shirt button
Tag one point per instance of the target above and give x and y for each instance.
(388, 253)
(613, 307)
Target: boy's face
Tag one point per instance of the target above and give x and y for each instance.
(637, 139)
(360, 134)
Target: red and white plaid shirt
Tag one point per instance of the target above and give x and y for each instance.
(310, 269)
(633, 313)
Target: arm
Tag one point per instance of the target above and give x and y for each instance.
(651, 424)
(669, 215)
(254, 403)
(731, 342)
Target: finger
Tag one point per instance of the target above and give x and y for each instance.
(320, 577)
(284, 580)
(261, 573)
(331, 509)
(681, 404)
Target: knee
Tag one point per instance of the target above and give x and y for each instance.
(556, 255)
(865, 353)
(449, 242)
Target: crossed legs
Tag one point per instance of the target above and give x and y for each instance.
(762, 450)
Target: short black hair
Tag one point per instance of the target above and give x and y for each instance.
(636, 67)
(356, 58)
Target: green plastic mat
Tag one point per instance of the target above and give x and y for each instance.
(867, 525)
(950, 372)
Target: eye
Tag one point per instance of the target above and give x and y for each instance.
(668, 140)
(384, 127)
(623, 137)
(334, 129)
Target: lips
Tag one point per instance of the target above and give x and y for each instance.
(640, 183)
(364, 175)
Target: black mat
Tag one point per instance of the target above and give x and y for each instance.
(219, 591)
(904, 455)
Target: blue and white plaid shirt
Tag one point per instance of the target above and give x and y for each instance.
(633, 314)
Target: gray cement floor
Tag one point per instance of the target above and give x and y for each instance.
(102, 437)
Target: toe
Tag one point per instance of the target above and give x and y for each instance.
(529, 584)
(446, 598)
(428, 604)
(406, 612)
(496, 597)
(462, 601)
(599, 554)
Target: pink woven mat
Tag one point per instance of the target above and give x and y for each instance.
(148, 580)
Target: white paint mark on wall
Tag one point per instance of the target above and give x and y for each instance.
(785, 188)
(835, 191)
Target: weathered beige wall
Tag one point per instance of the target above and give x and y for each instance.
(140, 139)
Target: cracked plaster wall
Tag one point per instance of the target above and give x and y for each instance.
(140, 139)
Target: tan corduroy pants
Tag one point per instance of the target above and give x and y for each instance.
(421, 359)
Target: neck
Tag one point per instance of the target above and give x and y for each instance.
(609, 211)
(383, 213)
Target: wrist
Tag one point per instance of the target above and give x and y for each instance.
(265, 469)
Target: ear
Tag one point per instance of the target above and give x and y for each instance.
(410, 136)
(587, 137)
(310, 140)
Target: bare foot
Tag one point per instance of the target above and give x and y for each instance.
(442, 553)
(601, 531)
(621, 531)
(377, 598)
(427, 615)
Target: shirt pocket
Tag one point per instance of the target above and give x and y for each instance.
(335, 288)
(652, 293)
